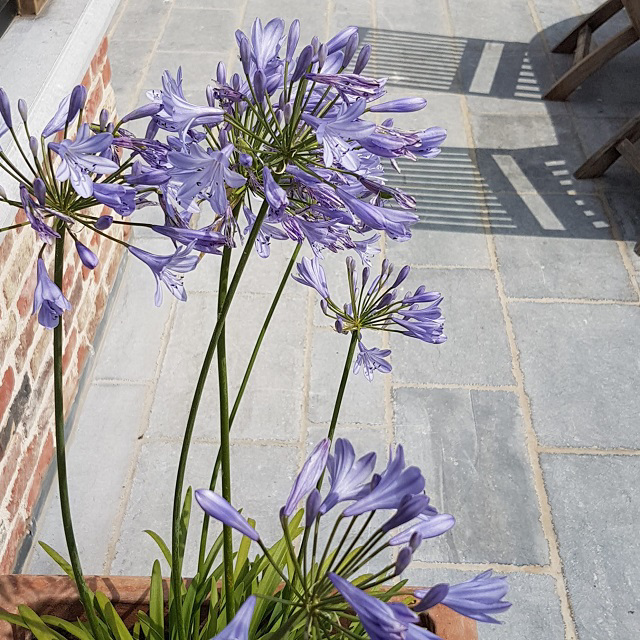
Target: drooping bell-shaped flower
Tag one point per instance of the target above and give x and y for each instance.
(48, 301)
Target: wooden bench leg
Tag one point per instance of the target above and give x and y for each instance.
(604, 157)
(593, 21)
(575, 76)
(629, 152)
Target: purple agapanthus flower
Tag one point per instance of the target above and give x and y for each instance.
(390, 487)
(335, 132)
(266, 232)
(308, 476)
(311, 274)
(217, 507)
(48, 301)
(409, 508)
(87, 257)
(274, 194)
(163, 268)
(352, 84)
(371, 360)
(238, 628)
(206, 239)
(206, 173)
(33, 211)
(119, 197)
(427, 526)
(475, 598)
(65, 114)
(395, 223)
(80, 156)
(381, 620)
(401, 105)
(367, 248)
(349, 478)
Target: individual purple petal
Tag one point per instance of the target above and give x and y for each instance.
(59, 120)
(77, 101)
(311, 274)
(362, 59)
(371, 360)
(5, 108)
(274, 193)
(238, 628)
(205, 240)
(350, 479)
(40, 191)
(393, 485)
(87, 257)
(340, 39)
(350, 48)
(308, 476)
(145, 111)
(402, 105)
(433, 596)
(217, 507)
(312, 507)
(292, 40)
(120, 198)
(428, 526)
(402, 561)
(48, 300)
(410, 508)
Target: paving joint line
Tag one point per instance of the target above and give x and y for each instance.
(588, 451)
(484, 566)
(455, 385)
(624, 303)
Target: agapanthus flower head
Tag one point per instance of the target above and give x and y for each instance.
(370, 360)
(48, 301)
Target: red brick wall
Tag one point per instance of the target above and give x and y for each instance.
(26, 386)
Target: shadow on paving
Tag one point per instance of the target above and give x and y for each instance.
(529, 190)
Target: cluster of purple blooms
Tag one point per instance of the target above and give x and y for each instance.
(398, 488)
(290, 129)
(375, 305)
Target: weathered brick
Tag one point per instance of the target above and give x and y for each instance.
(99, 57)
(14, 541)
(6, 391)
(8, 463)
(5, 248)
(25, 342)
(28, 462)
(86, 81)
(83, 352)
(44, 458)
(17, 414)
(94, 100)
(106, 73)
(25, 299)
(43, 348)
(7, 334)
(69, 349)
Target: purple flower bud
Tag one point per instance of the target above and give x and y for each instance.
(404, 272)
(217, 507)
(385, 267)
(87, 257)
(292, 40)
(365, 275)
(5, 108)
(350, 48)
(103, 222)
(211, 96)
(104, 119)
(315, 44)
(304, 60)
(223, 138)
(322, 56)
(324, 306)
(281, 100)
(235, 82)
(33, 145)
(313, 507)
(145, 111)
(415, 540)
(402, 105)
(259, 82)
(221, 73)
(308, 477)
(341, 39)
(287, 112)
(22, 109)
(339, 324)
(78, 98)
(435, 595)
(403, 561)
(245, 55)
(40, 191)
(363, 59)
(245, 160)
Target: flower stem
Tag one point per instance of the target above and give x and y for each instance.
(65, 507)
(223, 390)
(176, 564)
(243, 386)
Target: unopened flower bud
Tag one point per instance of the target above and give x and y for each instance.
(415, 540)
(315, 44)
(259, 82)
(33, 145)
(385, 267)
(350, 48)
(5, 108)
(365, 275)
(279, 116)
(363, 59)
(221, 73)
(304, 60)
(245, 160)
(87, 257)
(339, 325)
(324, 306)
(211, 98)
(235, 82)
(292, 40)
(245, 55)
(404, 272)
(282, 100)
(76, 103)
(312, 508)
(22, 109)
(403, 560)
(104, 119)
(322, 56)
(103, 222)
(287, 112)
(40, 191)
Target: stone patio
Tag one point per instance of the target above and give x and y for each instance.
(525, 422)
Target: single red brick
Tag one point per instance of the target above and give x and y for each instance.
(21, 216)
(69, 349)
(5, 248)
(46, 454)
(26, 340)
(25, 299)
(8, 469)
(16, 536)
(83, 352)
(6, 389)
(106, 73)
(86, 81)
(94, 100)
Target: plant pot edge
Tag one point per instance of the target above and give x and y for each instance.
(56, 595)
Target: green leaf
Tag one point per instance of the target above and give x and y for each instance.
(111, 618)
(156, 599)
(148, 627)
(71, 628)
(59, 560)
(37, 626)
(243, 552)
(184, 524)
(162, 544)
(13, 618)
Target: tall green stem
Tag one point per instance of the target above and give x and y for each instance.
(241, 390)
(58, 394)
(223, 390)
(176, 564)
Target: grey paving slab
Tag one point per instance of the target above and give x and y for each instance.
(476, 351)
(578, 381)
(415, 17)
(536, 607)
(490, 22)
(625, 210)
(272, 468)
(136, 324)
(580, 260)
(198, 69)
(272, 405)
(471, 447)
(363, 402)
(129, 60)
(598, 551)
(142, 20)
(99, 456)
(198, 29)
